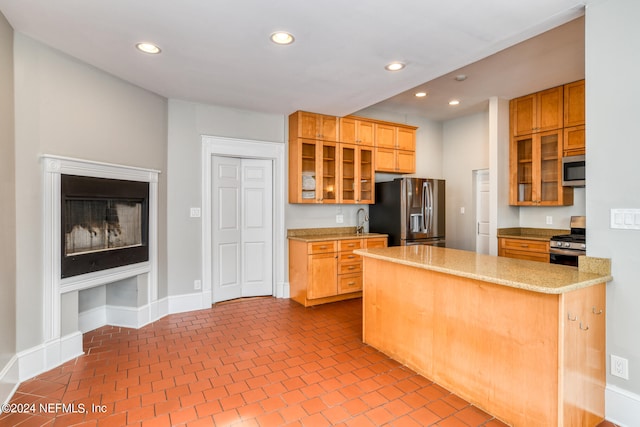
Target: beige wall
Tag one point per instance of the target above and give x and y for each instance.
(68, 108)
(188, 121)
(466, 148)
(612, 67)
(7, 197)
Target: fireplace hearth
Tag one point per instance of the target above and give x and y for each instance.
(105, 223)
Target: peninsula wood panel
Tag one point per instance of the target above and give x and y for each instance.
(584, 380)
(505, 350)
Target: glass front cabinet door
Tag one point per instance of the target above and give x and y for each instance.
(313, 171)
(536, 170)
(356, 174)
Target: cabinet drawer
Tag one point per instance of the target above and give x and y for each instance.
(349, 267)
(525, 245)
(376, 243)
(348, 257)
(350, 245)
(322, 247)
(529, 256)
(349, 283)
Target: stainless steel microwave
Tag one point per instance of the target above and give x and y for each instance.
(573, 171)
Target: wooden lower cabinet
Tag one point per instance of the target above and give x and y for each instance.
(527, 358)
(532, 250)
(327, 271)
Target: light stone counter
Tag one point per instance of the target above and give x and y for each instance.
(529, 275)
(321, 234)
(544, 234)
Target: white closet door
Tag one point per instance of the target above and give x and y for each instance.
(242, 207)
(257, 227)
(226, 209)
(482, 211)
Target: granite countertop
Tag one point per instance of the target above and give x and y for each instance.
(529, 275)
(321, 234)
(531, 233)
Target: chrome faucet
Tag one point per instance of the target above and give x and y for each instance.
(360, 227)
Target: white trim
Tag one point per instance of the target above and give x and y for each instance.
(245, 149)
(621, 406)
(54, 286)
(283, 290)
(41, 358)
(189, 302)
(98, 278)
(94, 318)
(9, 379)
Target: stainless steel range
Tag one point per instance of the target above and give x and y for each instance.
(565, 248)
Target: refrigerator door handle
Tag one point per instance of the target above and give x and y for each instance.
(423, 208)
(427, 202)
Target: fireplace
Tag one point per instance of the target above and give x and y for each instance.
(104, 223)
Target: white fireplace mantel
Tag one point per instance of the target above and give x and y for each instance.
(54, 286)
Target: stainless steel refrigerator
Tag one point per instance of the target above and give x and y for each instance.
(410, 210)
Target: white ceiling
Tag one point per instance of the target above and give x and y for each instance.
(218, 52)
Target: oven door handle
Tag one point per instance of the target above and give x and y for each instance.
(569, 252)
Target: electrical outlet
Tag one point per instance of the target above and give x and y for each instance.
(549, 220)
(619, 367)
(339, 219)
(195, 212)
(462, 210)
(197, 284)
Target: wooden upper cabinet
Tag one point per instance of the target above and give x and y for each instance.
(538, 112)
(406, 139)
(536, 170)
(574, 141)
(574, 104)
(307, 125)
(356, 131)
(395, 148)
(356, 173)
(386, 136)
(549, 109)
(313, 171)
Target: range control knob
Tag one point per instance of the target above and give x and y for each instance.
(567, 244)
(583, 246)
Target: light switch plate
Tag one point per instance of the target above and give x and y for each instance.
(339, 219)
(626, 219)
(195, 212)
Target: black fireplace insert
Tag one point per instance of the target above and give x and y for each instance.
(105, 223)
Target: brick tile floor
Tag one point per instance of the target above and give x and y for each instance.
(251, 362)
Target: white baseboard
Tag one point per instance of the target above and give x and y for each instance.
(283, 290)
(92, 319)
(621, 406)
(9, 379)
(189, 302)
(41, 358)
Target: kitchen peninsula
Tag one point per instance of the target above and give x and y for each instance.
(522, 340)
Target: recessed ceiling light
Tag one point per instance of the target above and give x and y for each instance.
(282, 37)
(454, 102)
(148, 48)
(421, 94)
(394, 66)
(461, 77)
